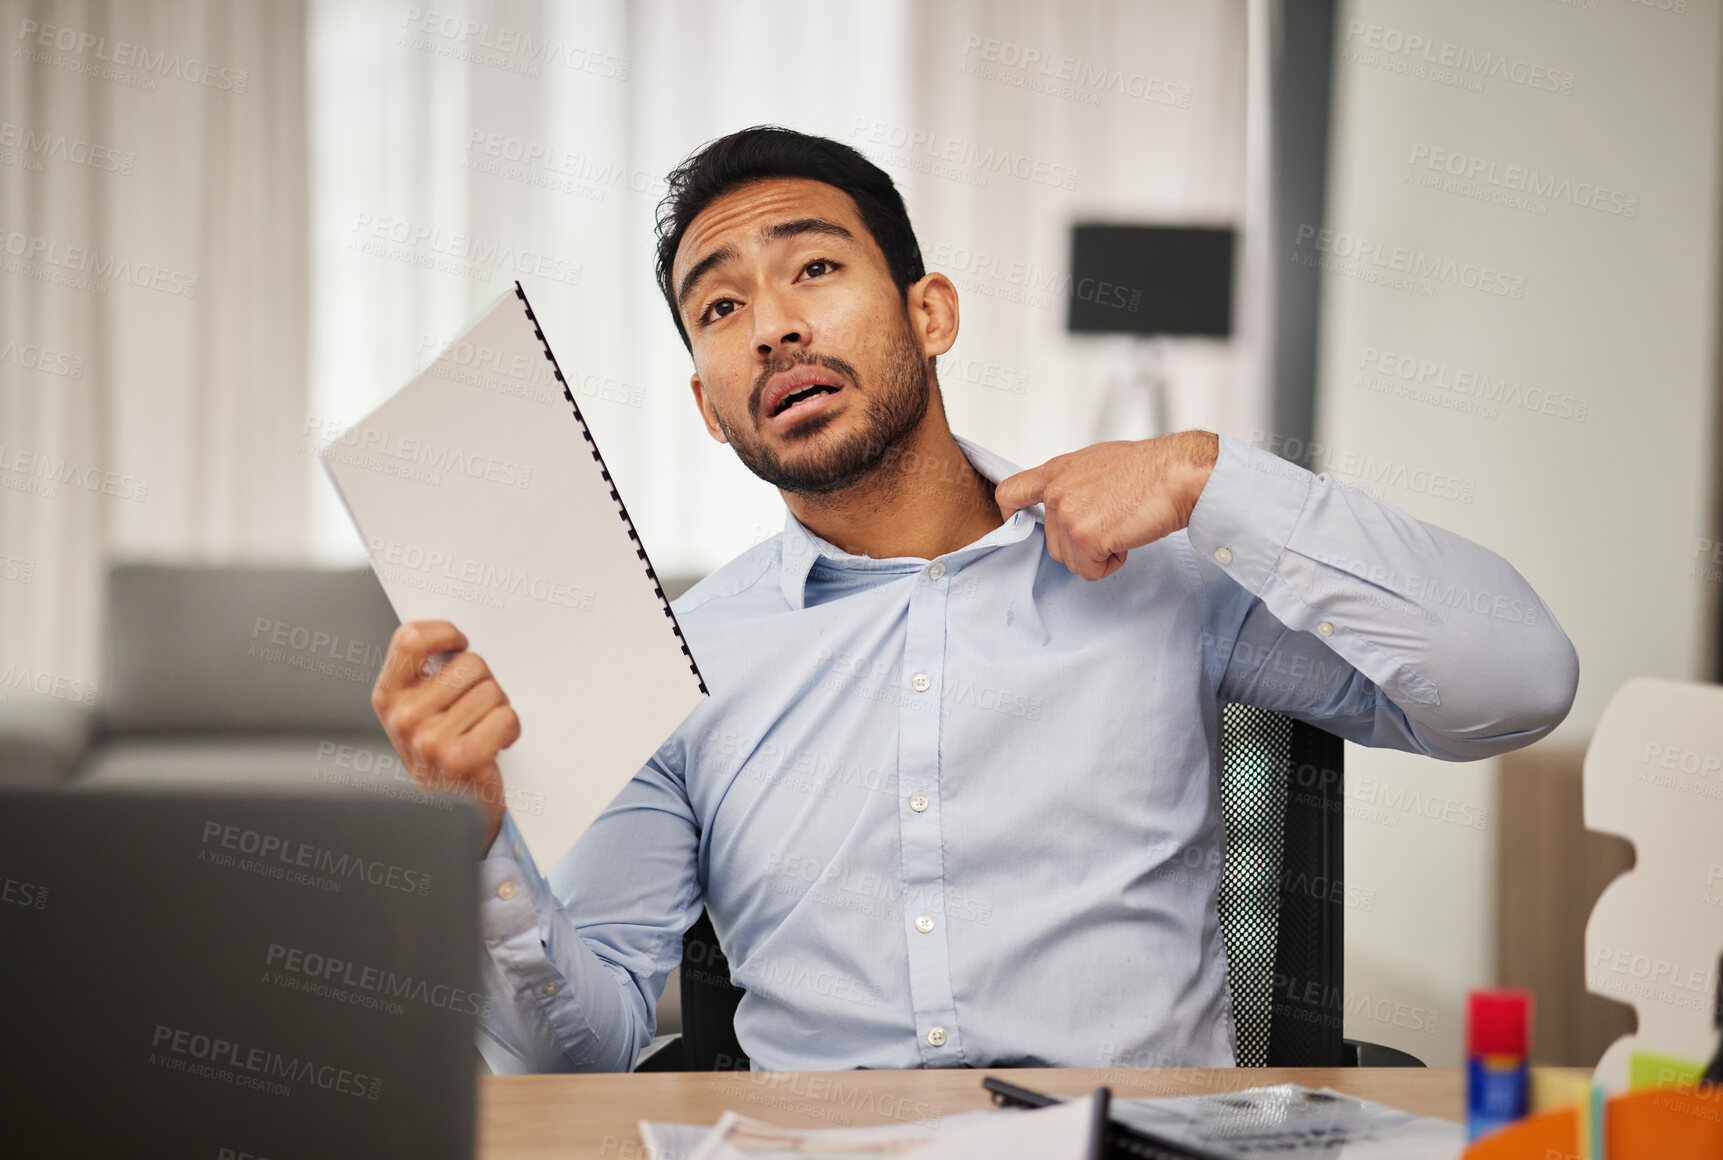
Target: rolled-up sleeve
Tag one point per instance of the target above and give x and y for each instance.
(1346, 611)
(573, 964)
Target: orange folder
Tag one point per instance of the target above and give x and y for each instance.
(1681, 1122)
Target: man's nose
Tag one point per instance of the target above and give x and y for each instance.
(779, 322)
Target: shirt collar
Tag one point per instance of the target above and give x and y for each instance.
(801, 549)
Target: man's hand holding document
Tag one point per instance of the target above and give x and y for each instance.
(505, 550)
(450, 720)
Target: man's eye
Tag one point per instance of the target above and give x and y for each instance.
(822, 265)
(715, 308)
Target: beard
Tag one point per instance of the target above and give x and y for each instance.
(895, 406)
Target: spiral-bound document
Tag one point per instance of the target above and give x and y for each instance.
(482, 500)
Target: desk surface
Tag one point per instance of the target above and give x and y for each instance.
(532, 1116)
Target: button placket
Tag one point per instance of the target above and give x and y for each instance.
(921, 723)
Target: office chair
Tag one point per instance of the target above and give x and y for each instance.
(1282, 895)
(1282, 901)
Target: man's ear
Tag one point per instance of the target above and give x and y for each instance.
(706, 411)
(932, 304)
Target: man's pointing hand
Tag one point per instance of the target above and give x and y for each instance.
(1106, 499)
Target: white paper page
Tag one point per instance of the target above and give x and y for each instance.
(671, 1141)
(666, 1141)
(480, 501)
(1059, 1132)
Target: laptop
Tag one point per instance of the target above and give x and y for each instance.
(238, 974)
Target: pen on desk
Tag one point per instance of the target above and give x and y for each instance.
(1103, 1098)
(1121, 1139)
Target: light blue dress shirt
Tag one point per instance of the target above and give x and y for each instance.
(966, 812)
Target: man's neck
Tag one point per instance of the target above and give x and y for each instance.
(922, 500)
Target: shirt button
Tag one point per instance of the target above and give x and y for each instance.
(935, 570)
(1325, 628)
(506, 891)
(936, 1036)
(918, 802)
(924, 924)
(920, 682)
(1224, 555)
(550, 987)
(517, 851)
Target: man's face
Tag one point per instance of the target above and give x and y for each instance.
(807, 361)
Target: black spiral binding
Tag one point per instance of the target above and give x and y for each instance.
(621, 508)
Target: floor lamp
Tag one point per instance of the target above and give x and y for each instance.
(1158, 284)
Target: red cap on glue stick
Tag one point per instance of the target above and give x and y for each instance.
(1498, 1023)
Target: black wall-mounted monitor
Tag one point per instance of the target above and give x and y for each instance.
(1159, 280)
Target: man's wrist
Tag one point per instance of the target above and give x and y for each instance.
(1198, 452)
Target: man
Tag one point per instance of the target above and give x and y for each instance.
(960, 749)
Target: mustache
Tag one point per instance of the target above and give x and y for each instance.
(800, 358)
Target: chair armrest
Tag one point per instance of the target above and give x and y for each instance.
(1358, 1053)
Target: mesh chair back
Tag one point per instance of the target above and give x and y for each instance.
(1280, 896)
(1280, 906)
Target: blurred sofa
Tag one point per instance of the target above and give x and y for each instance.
(230, 676)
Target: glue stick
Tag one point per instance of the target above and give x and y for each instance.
(1498, 1034)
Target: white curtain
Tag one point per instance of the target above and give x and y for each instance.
(152, 304)
(453, 131)
(543, 131)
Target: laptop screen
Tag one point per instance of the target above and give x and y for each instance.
(229, 974)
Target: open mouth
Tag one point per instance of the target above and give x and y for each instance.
(802, 395)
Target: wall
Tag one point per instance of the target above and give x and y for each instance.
(1550, 392)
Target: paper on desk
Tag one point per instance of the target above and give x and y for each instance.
(671, 1141)
(1289, 1122)
(479, 495)
(683, 1141)
(1060, 1132)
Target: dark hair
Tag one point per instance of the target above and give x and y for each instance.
(767, 151)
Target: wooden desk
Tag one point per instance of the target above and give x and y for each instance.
(530, 1117)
